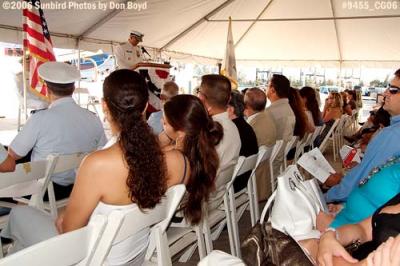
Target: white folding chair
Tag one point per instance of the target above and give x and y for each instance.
(59, 164)
(218, 212)
(315, 134)
(288, 147)
(275, 151)
(124, 224)
(24, 181)
(301, 144)
(73, 248)
(237, 205)
(159, 240)
(328, 136)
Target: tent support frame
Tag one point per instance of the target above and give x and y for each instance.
(197, 23)
(253, 23)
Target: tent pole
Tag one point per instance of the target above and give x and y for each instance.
(254, 22)
(198, 22)
(303, 19)
(337, 36)
(78, 66)
(24, 77)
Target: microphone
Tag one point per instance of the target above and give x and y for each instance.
(144, 51)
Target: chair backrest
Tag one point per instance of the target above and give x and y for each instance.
(264, 153)
(276, 150)
(322, 146)
(72, 248)
(317, 131)
(289, 145)
(244, 164)
(61, 163)
(124, 224)
(24, 180)
(342, 122)
(174, 196)
(222, 179)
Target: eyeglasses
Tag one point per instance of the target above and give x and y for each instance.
(198, 92)
(393, 89)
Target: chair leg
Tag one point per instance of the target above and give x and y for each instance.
(229, 224)
(255, 201)
(234, 222)
(52, 201)
(207, 237)
(200, 240)
(251, 202)
(163, 255)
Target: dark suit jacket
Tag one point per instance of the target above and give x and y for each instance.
(249, 147)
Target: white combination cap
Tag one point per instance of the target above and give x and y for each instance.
(137, 34)
(59, 72)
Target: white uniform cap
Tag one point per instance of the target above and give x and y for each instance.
(59, 72)
(137, 34)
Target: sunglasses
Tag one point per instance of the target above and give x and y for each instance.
(393, 89)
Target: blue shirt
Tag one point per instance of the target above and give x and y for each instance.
(385, 145)
(64, 128)
(154, 122)
(364, 200)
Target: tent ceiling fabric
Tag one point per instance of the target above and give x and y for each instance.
(290, 31)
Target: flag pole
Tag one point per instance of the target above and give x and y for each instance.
(25, 78)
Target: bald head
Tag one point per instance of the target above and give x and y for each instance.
(255, 99)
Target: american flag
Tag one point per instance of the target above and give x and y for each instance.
(38, 43)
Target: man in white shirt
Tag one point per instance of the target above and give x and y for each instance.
(215, 92)
(129, 54)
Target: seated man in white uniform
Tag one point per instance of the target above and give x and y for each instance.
(129, 54)
(64, 128)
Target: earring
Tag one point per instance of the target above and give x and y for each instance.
(177, 146)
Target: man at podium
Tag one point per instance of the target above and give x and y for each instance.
(129, 54)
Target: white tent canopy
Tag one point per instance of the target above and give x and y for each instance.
(285, 32)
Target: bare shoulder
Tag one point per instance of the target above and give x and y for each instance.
(175, 163)
(173, 157)
(102, 162)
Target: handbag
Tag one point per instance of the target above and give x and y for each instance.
(266, 246)
(313, 188)
(295, 209)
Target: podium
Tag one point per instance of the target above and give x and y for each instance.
(156, 75)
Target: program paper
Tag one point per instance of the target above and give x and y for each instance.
(316, 164)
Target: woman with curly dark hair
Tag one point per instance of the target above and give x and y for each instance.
(194, 134)
(130, 173)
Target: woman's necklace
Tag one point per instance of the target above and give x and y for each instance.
(391, 161)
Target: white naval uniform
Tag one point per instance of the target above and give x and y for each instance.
(64, 128)
(128, 55)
